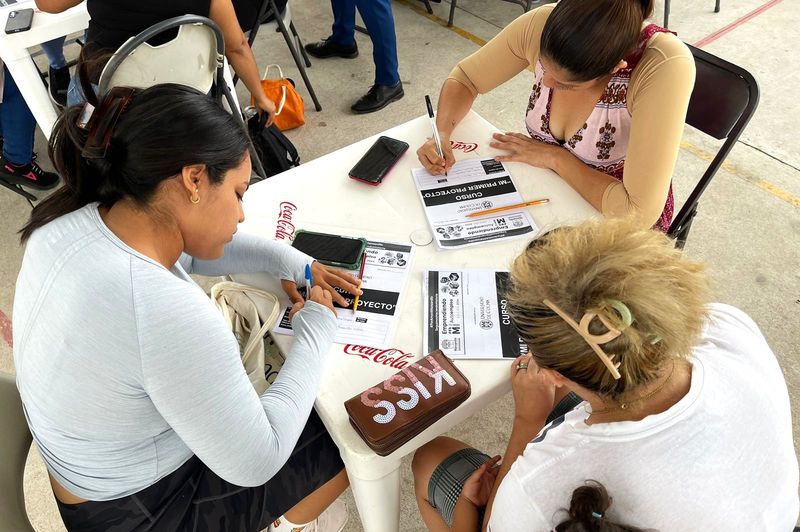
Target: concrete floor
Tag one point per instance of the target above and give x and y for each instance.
(748, 227)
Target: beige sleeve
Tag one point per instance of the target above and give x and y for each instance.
(657, 100)
(510, 52)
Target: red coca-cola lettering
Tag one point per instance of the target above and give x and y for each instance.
(466, 147)
(284, 228)
(392, 357)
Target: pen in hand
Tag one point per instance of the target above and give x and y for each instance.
(436, 139)
(309, 281)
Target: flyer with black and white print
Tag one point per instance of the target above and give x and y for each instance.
(385, 274)
(471, 186)
(466, 315)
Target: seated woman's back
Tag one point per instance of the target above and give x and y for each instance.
(716, 460)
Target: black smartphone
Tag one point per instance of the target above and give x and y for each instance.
(378, 160)
(334, 250)
(19, 20)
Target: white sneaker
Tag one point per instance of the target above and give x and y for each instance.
(332, 519)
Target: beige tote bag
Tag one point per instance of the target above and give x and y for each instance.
(251, 313)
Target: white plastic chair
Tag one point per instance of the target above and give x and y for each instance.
(195, 57)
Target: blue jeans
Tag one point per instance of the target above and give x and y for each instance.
(54, 50)
(377, 16)
(16, 123)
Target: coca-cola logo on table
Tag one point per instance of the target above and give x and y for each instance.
(466, 147)
(284, 228)
(392, 357)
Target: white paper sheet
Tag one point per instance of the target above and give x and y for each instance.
(470, 186)
(466, 315)
(385, 276)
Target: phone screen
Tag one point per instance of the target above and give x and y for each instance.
(374, 165)
(329, 248)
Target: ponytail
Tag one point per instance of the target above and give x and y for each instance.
(164, 129)
(587, 511)
(588, 38)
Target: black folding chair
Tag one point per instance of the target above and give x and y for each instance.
(201, 67)
(293, 41)
(724, 98)
(666, 11)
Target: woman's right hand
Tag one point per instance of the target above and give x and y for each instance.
(318, 295)
(534, 394)
(431, 160)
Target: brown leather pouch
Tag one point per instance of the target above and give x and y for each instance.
(392, 412)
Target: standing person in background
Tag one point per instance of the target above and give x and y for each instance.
(377, 16)
(17, 126)
(58, 70)
(114, 21)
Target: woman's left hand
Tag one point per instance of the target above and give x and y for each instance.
(328, 279)
(478, 487)
(265, 105)
(521, 148)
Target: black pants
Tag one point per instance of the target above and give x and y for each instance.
(194, 499)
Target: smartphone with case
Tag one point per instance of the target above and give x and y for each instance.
(378, 160)
(334, 250)
(19, 20)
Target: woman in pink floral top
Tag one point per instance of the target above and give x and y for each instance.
(607, 107)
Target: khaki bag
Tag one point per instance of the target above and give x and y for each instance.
(251, 313)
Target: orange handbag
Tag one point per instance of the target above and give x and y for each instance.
(290, 107)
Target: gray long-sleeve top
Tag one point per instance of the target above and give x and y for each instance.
(127, 369)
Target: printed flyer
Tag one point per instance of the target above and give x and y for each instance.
(471, 186)
(466, 315)
(385, 275)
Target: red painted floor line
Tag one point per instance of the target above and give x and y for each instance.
(735, 24)
(5, 329)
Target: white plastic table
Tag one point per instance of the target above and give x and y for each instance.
(15, 53)
(318, 195)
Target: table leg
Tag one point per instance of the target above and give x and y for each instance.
(378, 502)
(27, 78)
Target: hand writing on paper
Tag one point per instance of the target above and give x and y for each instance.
(318, 295)
(430, 159)
(521, 148)
(478, 487)
(534, 394)
(326, 278)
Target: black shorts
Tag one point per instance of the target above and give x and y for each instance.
(194, 499)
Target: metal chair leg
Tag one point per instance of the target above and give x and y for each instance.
(716, 7)
(298, 60)
(17, 189)
(452, 13)
(428, 7)
(666, 13)
(299, 44)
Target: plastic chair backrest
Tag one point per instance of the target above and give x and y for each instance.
(14, 446)
(193, 58)
(724, 98)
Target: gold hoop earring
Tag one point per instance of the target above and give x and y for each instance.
(195, 197)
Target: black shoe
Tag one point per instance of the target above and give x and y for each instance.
(328, 48)
(378, 97)
(28, 175)
(58, 83)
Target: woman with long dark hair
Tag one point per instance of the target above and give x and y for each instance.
(607, 106)
(131, 379)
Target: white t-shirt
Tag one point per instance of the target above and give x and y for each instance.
(722, 458)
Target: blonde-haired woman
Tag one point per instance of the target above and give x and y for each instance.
(685, 413)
